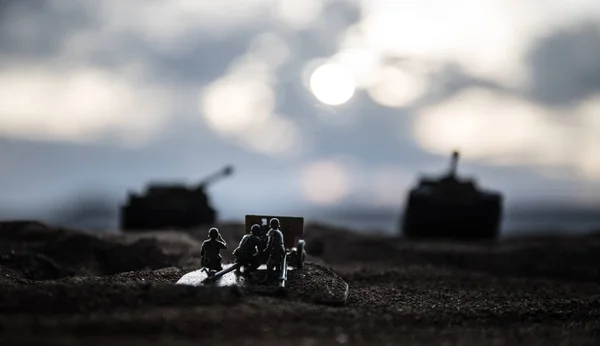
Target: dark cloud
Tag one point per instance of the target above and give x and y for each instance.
(39, 32)
(451, 79)
(36, 30)
(565, 66)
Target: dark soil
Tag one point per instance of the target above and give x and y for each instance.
(63, 287)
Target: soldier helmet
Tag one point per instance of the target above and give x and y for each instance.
(213, 233)
(256, 229)
(274, 223)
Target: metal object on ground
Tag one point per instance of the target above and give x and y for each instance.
(315, 284)
(217, 275)
(283, 273)
(450, 207)
(292, 228)
(171, 206)
(202, 277)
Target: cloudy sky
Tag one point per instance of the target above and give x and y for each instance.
(327, 109)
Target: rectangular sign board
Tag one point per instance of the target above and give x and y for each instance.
(292, 227)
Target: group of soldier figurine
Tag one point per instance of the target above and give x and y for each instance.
(253, 247)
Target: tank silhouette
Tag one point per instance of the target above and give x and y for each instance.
(172, 206)
(451, 207)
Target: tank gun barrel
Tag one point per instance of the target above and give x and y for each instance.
(454, 163)
(227, 170)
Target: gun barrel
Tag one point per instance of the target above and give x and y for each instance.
(222, 272)
(454, 163)
(283, 274)
(228, 170)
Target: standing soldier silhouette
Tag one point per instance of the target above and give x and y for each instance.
(211, 248)
(275, 249)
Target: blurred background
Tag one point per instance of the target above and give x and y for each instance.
(327, 109)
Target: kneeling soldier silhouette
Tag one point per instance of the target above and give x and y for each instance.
(211, 258)
(250, 246)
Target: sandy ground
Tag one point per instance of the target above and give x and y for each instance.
(62, 287)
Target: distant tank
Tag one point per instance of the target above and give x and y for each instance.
(451, 207)
(171, 206)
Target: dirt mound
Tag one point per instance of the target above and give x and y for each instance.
(319, 284)
(29, 266)
(534, 292)
(126, 290)
(34, 251)
(557, 258)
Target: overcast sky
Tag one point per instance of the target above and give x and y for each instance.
(325, 108)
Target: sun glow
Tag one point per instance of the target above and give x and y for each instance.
(503, 129)
(332, 84)
(232, 104)
(240, 106)
(325, 182)
(396, 87)
(486, 125)
(81, 105)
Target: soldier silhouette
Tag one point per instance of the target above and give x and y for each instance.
(249, 248)
(275, 249)
(211, 248)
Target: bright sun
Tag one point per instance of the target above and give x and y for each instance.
(332, 84)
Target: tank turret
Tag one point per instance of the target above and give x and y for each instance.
(451, 207)
(171, 205)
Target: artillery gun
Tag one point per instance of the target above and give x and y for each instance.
(451, 207)
(171, 206)
(295, 253)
